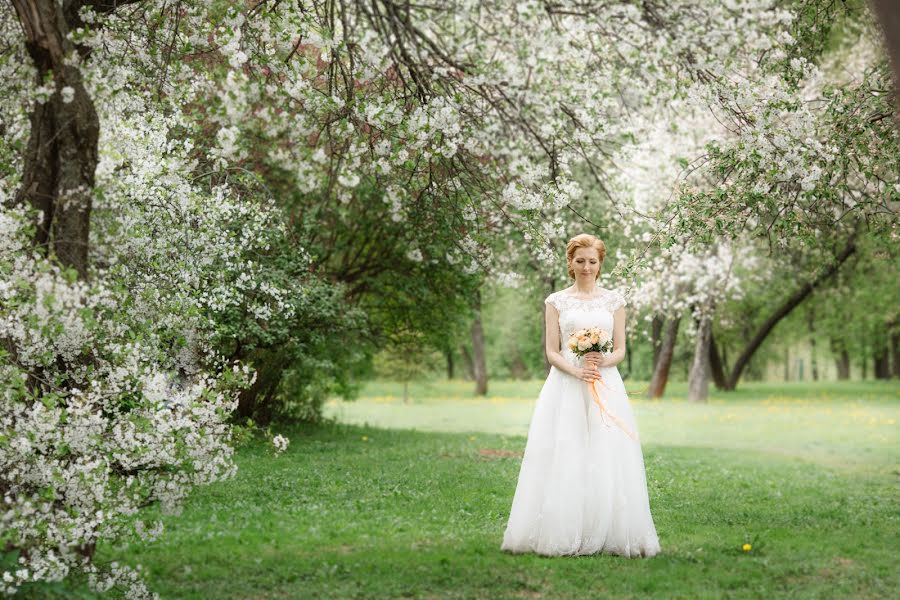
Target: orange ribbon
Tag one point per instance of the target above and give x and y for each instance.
(605, 409)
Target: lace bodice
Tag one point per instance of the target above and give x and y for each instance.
(578, 313)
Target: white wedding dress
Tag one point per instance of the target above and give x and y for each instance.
(582, 487)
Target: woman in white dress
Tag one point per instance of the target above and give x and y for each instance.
(582, 487)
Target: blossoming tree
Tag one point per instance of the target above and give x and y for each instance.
(175, 163)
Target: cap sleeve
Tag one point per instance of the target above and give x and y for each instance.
(552, 300)
(617, 301)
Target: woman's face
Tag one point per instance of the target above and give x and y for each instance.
(586, 264)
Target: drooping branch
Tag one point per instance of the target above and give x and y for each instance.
(789, 304)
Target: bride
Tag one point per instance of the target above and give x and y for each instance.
(582, 486)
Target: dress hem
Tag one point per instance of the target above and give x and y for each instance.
(643, 553)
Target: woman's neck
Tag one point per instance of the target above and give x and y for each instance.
(586, 292)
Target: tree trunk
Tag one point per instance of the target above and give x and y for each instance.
(656, 331)
(895, 353)
(698, 380)
(61, 156)
(449, 355)
(716, 368)
(467, 361)
(666, 353)
(478, 356)
(813, 365)
(550, 284)
(255, 402)
(787, 364)
(724, 361)
(889, 19)
(864, 363)
(890, 360)
(628, 354)
(785, 309)
(882, 361)
(841, 359)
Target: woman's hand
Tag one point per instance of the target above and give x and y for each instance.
(596, 359)
(588, 374)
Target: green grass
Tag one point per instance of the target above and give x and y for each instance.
(807, 474)
(849, 424)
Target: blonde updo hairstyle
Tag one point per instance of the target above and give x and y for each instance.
(584, 240)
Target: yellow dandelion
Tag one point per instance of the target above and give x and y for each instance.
(365, 438)
(746, 547)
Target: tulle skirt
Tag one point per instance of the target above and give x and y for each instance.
(582, 487)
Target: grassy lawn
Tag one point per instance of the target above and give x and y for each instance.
(848, 424)
(371, 508)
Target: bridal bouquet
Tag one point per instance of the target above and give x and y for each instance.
(592, 339)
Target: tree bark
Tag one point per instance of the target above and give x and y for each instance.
(478, 355)
(841, 359)
(467, 361)
(895, 353)
(629, 354)
(550, 284)
(792, 302)
(787, 364)
(544, 340)
(656, 331)
(61, 155)
(716, 367)
(889, 19)
(62, 152)
(254, 402)
(882, 361)
(450, 365)
(698, 380)
(864, 363)
(811, 325)
(666, 353)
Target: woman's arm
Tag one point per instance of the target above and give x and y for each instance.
(618, 353)
(554, 357)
